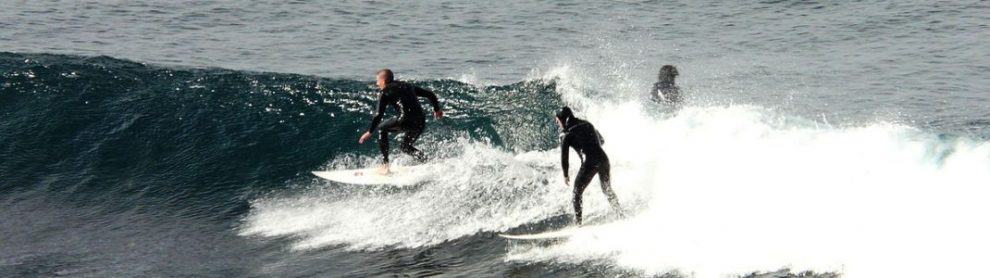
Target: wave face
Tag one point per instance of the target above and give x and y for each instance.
(82, 125)
(114, 145)
(209, 168)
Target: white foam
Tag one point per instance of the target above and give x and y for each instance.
(737, 189)
(483, 189)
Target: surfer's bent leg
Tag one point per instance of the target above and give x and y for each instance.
(383, 129)
(412, 133)
(605, 177)
(584, 176)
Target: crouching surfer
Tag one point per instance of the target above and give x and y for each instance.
(411, 120)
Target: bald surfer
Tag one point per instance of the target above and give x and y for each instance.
(411, 120)
(582, 136)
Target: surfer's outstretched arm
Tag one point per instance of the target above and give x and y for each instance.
(377, 119)
(429, 95)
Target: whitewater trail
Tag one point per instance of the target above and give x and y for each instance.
(482, 189)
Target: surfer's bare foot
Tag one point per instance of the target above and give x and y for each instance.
(383, 170)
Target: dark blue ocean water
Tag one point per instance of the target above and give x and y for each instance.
(176, 139)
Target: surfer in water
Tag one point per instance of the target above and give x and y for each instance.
(411, 119)
(664, 90)
(582, 136)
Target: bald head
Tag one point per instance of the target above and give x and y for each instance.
(385, 76)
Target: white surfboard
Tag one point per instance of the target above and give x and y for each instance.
(398, 175)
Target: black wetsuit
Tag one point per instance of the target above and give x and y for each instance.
(583, 137)
(666, 92)
(411, 120)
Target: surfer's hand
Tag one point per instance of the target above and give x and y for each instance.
(364, 137)
(438, 114)
(567, 181)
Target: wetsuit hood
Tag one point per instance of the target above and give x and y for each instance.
(566, 116)
(667, 75)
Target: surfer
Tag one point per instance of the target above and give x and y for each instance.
(411, 119)
(664, 90)
(582, 136)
